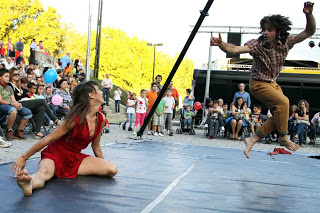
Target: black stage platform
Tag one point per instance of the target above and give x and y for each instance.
(164, 177)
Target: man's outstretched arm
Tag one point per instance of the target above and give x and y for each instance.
(227, 47)
(311, 24)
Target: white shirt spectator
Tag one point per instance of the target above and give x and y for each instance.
(131, 109)
(37, 72)
(141, 106)
(117, 95)
(33, 46)
(8, 65)
(169, 104)
(107, 83)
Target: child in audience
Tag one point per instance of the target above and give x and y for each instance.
(225, 113)
(141, 109)
(256, 118)
(157, 119)
(168, 112)
(131, 104)
(188, 115)
(213, 122)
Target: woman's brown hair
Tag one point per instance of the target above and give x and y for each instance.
(80, 102)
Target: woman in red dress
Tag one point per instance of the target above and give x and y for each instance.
(62, 157)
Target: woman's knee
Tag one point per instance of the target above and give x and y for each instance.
(111, 170)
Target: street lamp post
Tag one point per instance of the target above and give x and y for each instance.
(154, 56)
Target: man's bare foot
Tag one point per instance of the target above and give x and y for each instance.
(285, 141)
(24, 181)
(249, 144)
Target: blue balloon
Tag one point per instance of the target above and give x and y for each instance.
(50, 76)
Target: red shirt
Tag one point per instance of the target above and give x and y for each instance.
(2, 51)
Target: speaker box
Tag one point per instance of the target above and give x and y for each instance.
(234, 38)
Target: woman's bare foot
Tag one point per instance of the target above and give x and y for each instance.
(285, 141)
(24, 181)
(249, 144)
(236, 136)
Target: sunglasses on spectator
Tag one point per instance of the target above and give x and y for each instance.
(15, 74)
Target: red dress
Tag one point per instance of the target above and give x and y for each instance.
(66, 151)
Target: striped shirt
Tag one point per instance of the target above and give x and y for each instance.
(66, 98)
(268, 61)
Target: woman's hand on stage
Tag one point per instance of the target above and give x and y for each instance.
(308, 8)
(18, 166)
(216, 41)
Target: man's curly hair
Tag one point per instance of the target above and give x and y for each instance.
(280, 23)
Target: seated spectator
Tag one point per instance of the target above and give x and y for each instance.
(39, 80)
(188, 115)
(20, 59)
(30, 77)
(8, 63)
(314, 127)
(71, 81)
(225, 114)
(82, 76)
(38, 107)
(292, 115)
(67, 69)
(21, 71)
(256, 119)
(188, 100)
(220, 101)
(302, 117)
(213, 120)
(64, 107)
(9, 106)
(238, 110)
(209, 105)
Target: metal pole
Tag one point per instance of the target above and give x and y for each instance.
(88, 71)
(203, 13)
(154, 61)
(98, 40)
(206, 93)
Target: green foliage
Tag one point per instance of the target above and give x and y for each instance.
(28, 19)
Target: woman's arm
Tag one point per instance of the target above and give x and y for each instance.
(96, 148)
(63, 129)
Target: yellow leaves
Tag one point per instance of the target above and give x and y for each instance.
(128, 59)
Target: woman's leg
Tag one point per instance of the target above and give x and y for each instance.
(97, 166)
(233, 127)
(36, 181)
(239, 127)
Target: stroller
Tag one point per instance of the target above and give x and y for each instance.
(182, 127)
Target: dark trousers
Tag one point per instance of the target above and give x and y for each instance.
(117, 106)
(62, 111)
(213, 127)
(106, 95)
(32, 58)
(38, 107)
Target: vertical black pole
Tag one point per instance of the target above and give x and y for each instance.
(203, 13)
(98, 40)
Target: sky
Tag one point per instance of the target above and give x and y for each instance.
(168, 22)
